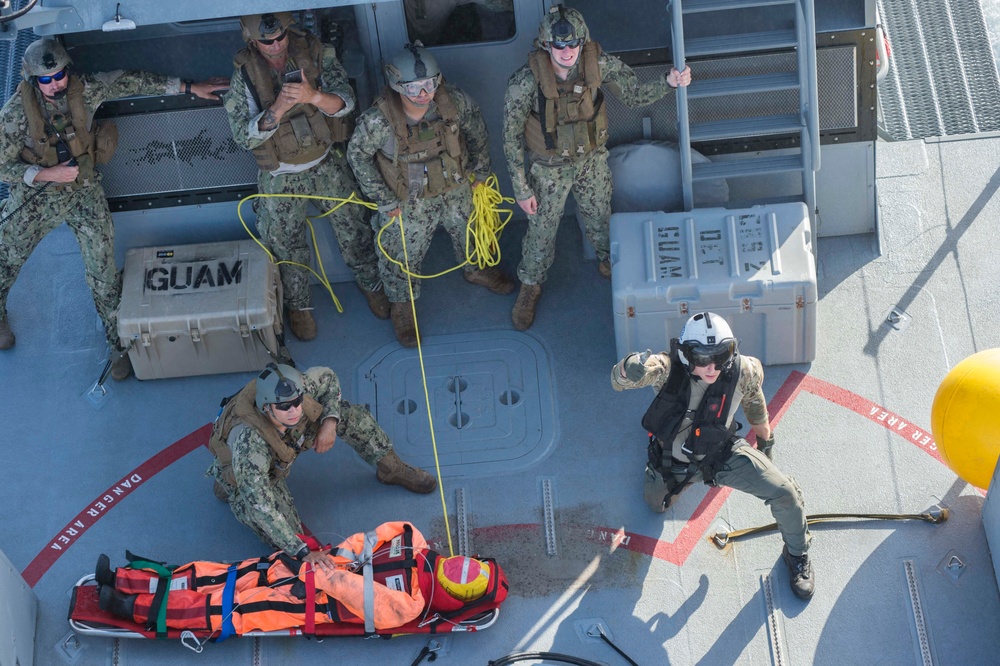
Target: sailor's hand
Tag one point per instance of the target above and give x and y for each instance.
(529, 205)
(677, 79)
(206, 89)
(394, 213)
(326, 436)
(61, 173)
(298, 93)
(634, 366)
(319, 559)
(765, 446)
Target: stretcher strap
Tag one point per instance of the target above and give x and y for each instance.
(310, 615)
(370, 540)
(228, 592)
(158, 607)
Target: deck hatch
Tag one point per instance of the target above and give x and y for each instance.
(491, 398)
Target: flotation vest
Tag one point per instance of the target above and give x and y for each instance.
(428, 158)
(89, 145)
(242, 408)
(711, 435)
(571, 120)
(304, 133)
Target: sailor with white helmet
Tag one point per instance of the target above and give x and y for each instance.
(265, 427)
(700, 383)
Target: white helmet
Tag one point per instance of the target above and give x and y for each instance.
(706, 340)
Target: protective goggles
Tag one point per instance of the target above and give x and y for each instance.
(572, 44)
(720, 355)
(268, 42)
(285, 406)
(414, 88)
(58, 76)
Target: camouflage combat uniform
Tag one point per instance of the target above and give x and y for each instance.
(263, 502)
(81, 205)
(282, 221)
(746, 469)
(421, 215)
(551, 179)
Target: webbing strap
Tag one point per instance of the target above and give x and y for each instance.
(228, 592)
(158, 607)
(310, 619)
(370, 540)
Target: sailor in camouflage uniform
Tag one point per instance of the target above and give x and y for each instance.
(290, 104)
(413, 153)
(700, 384)
(554, 107)
(265, 427)
(49, 146)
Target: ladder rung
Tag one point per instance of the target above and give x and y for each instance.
(739, 85)
(695, 6)
(746, 167)
(741, 43)
(745, 127)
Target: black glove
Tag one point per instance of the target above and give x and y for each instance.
(634, 365)
(765, 446)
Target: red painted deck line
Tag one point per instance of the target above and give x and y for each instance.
(109, 499)
(676, 551)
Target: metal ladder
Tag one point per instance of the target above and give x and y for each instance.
(806, 121)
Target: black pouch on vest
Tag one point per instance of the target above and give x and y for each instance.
(707, 438)
(654, 451)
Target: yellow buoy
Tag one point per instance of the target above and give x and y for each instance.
(965, 417)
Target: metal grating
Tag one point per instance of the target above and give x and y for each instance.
(838, 104)
(176, 151)
(942, 76)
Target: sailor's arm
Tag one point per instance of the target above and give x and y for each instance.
(324, 386)
(640, 369)
(100, 87)
(244, 114)
(251, 469)
(477, 139)
(14, 126)
(520, 97)
(622, 82)
(371, 134)
(754, 403)
(333, 97)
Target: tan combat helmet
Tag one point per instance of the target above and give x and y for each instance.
(265, 26)
(44, 57)
(413, 63)
(562, 24)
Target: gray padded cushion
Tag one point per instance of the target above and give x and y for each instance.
(647, 176)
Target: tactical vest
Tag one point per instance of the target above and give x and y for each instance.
(88, 146)
(304, 133)
(711, 436)
(430, 157)
(242, 408)
(571, 120)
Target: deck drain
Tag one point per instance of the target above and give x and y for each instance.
(491, 399)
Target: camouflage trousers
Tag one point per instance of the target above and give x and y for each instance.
(282, 224)
(357, 427)
(420, 220)
(590, 181)
(86, 212)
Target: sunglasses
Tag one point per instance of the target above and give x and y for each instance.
(718, 355)
(268, 42)
(58, 76)
(414, 88)
(572, 44)
(285, 406)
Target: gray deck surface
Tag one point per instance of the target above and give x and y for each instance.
(690, 603)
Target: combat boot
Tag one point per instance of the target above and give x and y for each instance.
(302, 324)
(103, 573)
(800, 571)
(523, 314)
(604, 268)
(394, 472)
(6, 335)
(492, 278)
(117, 603)
(402, 322)
(122, 368)
(378, 302)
